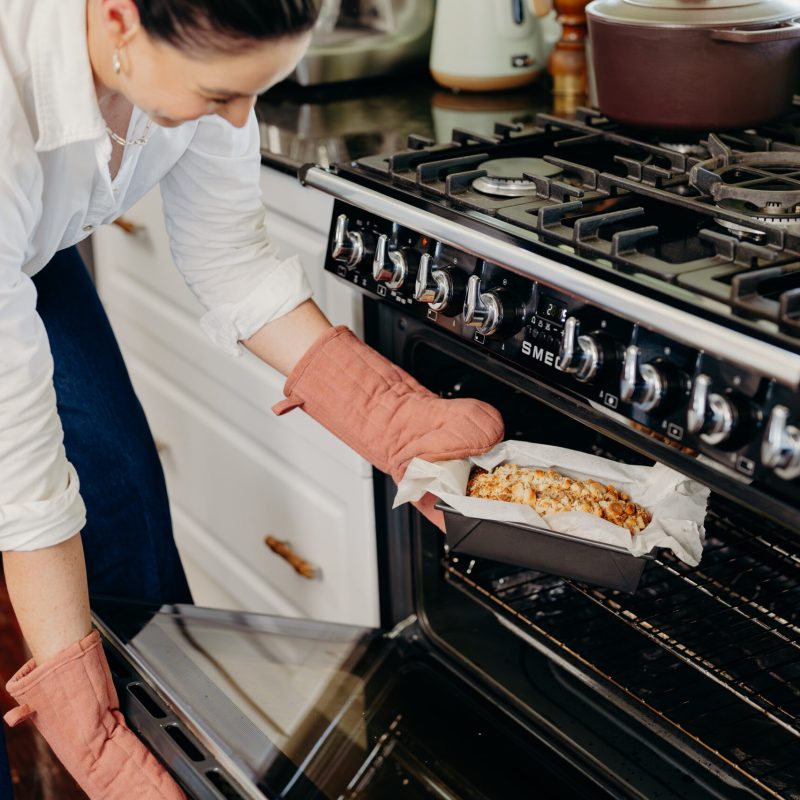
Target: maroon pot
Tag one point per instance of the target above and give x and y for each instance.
(694, 65)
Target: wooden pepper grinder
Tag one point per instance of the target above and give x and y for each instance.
(567, 63)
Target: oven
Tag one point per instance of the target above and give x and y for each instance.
(601, 301)
(688, 687)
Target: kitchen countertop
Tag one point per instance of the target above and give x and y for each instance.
(335, 124)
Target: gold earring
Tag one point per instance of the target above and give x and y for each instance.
(116, 62)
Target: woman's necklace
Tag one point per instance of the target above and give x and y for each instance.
(142, 140)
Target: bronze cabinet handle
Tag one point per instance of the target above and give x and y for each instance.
(298, 564)
(131, 228)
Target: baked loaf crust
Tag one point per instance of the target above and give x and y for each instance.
(550, 492)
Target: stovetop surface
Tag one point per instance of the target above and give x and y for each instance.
(711, 222)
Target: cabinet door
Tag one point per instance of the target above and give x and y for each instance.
(230, 494)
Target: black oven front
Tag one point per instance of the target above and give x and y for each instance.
(688, 688)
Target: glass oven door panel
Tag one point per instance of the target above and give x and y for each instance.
(297, 709)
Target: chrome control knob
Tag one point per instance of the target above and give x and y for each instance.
(348, 246)
(492, 312)
(584, 356)
(710, 415)
(389, 266)
(482, 310)
(429, 286)
(441, 289)
(780, 448)
(650, 386)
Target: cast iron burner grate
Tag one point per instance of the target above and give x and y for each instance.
(682, 217)
(764, 186)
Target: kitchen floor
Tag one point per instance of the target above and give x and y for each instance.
(35, 772)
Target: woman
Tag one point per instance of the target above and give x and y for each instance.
(103, 99)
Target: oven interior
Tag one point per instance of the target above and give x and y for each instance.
(705, 661)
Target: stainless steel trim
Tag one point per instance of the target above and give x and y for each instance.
(736, 348)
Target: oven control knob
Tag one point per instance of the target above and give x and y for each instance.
(492, 312)
(711, 415)
(443, 290)
(585, 356)
(389, 266)
(780, 448)
(655, 385)
(348, 246)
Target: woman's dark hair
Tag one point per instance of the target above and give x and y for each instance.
(228, 25)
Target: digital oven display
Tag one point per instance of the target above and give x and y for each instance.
(552, 310)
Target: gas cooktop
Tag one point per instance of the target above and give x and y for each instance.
(712, 222)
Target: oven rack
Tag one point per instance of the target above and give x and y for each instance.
(712, 651)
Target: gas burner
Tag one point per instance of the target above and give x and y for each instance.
(770, 214)
(504, 176)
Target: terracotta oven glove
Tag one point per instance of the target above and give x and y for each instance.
(382, 412)
(72, 701)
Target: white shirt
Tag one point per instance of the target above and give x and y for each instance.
(55, 188)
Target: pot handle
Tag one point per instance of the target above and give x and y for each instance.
(788, 30)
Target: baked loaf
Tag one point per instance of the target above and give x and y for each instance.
(550, 492)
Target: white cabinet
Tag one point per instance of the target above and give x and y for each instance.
(235, 472)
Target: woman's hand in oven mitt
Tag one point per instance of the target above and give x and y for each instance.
(382, 412)
(72, 701)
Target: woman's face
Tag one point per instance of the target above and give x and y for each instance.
(172, 87)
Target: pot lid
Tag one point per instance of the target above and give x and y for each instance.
(690, 13)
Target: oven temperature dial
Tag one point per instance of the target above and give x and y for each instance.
(654, 385)
(443, 290)
(492, 312)
(393, 267)
(780, 449)
(719, 418)
(584, 356)
(348, 246)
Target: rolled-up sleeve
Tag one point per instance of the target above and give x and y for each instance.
(40, 502)
(215, 219)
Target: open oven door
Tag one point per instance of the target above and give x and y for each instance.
(244, 705)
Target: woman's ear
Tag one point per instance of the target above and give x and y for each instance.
(120, 20)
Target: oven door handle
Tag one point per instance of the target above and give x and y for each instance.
(744, 351)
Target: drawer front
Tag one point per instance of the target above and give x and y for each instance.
(239, 493)
(144, 253)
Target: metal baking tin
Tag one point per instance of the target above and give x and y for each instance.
(544, 550)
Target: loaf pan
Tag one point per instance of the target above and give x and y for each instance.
(544, 550)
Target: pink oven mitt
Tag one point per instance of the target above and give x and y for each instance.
(72, 701)
(382, 412)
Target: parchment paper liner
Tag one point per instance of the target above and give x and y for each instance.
(678, 504)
